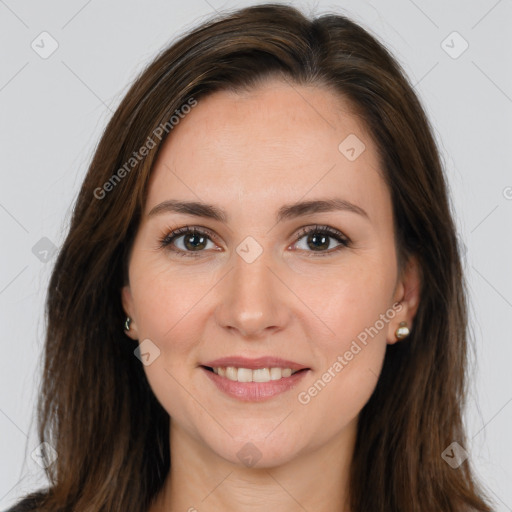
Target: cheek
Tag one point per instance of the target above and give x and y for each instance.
(167, 305)
(357, 310)
(167, 296)
(350, 297)
(351, 364)
(336, 396)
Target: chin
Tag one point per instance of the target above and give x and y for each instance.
(258, 454)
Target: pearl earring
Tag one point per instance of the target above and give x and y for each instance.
(127, 323)
(402, 331)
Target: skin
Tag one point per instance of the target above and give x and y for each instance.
(249, 154)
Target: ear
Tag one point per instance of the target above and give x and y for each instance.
(129, 309)
(407, 294)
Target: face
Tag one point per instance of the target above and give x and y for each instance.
(316, 286)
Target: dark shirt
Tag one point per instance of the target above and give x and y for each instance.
(28, 503)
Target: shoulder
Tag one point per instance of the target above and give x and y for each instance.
(28, 503)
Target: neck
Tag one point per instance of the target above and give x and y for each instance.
(201, 481)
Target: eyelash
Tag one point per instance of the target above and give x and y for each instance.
(171, 235)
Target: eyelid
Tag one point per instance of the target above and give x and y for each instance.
(333, 232)
(343, 240)
(170, 234)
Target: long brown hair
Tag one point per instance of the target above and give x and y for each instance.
(96, 407)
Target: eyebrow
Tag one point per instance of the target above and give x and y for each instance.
(286, 212)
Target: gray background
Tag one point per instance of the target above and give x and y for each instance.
(54, 109)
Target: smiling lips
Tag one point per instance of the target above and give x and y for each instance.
(257, 375)
(254, 379)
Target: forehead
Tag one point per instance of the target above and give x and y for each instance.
(273, 144)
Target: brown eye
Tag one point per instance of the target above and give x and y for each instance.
(186, 241)
(318, 239)
(194, 241)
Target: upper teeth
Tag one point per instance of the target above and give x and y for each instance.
(258, 375)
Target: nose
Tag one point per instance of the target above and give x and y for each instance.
(253, 301)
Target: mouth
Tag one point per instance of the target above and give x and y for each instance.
(265, 374)
(253, 384)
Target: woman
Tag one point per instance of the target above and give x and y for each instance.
(265, 306)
